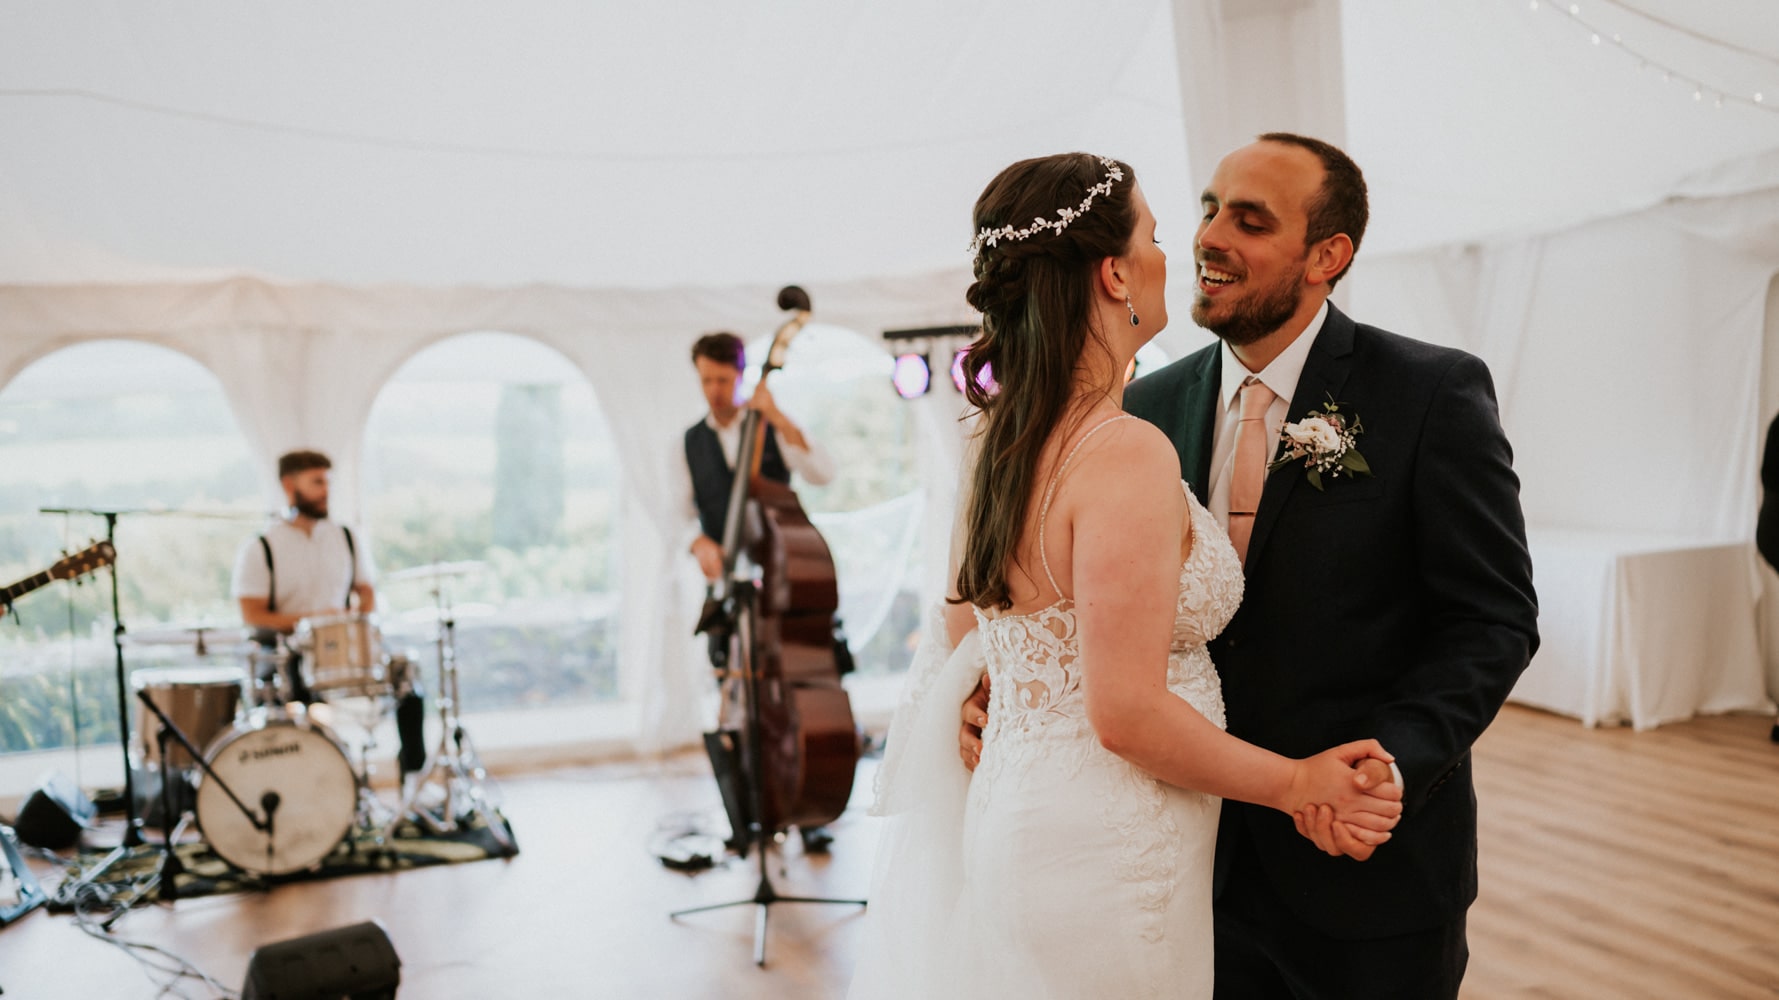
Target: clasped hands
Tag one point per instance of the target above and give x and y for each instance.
(1366, 807)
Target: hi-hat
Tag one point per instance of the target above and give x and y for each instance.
(433, 571)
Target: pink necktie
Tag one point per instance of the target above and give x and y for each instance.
(1247, 473)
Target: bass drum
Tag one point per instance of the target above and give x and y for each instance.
(280, 763)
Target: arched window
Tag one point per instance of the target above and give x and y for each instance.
(836, 385)
(113, 425)
(489, 448)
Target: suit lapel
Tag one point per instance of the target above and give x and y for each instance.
(1196, 423)
(1324, 374)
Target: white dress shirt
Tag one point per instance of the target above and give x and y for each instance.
(1281, 377)
(314, 569)
(813, 463)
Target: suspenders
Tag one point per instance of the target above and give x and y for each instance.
(272, 571)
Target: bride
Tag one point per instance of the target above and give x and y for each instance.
(1076, 861)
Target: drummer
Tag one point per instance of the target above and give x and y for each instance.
(304, 565)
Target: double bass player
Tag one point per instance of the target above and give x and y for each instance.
(711, 447)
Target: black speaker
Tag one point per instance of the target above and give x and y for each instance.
(55, 815)
(347, 963)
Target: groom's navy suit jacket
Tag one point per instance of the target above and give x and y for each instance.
(1397, 606)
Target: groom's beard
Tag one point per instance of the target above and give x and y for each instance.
(311, 508)
(1253, 319)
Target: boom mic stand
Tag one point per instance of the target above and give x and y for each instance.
(269, 802)
(132, 822)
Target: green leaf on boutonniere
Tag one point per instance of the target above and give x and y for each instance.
(1355, 463)
(1315, 478)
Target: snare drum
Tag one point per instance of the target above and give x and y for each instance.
(282, 763)
(201, 701)
(343, 656)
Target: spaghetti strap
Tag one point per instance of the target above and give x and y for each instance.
(1050, 494)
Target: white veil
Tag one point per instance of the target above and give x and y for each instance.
(921, 786)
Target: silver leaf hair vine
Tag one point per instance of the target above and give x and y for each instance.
(1011, 234)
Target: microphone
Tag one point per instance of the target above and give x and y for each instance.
(269, 803)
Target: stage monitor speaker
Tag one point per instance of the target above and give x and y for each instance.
(55, 815)
(347, 963)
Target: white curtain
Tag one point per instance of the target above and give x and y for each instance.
(1626, 354)
(302, 365)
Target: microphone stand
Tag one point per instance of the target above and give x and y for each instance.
(132, 821)
(269, 801)
(171, 867)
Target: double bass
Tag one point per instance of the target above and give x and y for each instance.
(779, 625)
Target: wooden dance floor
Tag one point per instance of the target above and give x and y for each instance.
(1614, 864)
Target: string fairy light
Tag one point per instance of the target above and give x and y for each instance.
(1700, 88)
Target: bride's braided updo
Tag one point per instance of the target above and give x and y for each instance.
(1034, 288)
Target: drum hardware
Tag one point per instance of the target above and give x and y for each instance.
(454, 769)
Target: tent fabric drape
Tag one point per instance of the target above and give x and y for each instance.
(301, 366)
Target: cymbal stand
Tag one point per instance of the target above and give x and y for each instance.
(454, 767)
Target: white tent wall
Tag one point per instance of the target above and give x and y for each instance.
(302, 365)
(411, 171)
(1769, 617)
(1626, 355)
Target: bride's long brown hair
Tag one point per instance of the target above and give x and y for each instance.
(1036, 300)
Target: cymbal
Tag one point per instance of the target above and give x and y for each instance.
(433, 571)
(199, 634)
(419, 619)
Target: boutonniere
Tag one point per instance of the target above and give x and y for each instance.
(1326, 442)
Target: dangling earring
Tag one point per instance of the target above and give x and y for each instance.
(1133, 311)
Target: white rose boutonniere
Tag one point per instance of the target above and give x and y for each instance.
(1326, 443)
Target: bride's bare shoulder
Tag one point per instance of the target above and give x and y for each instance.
(1135, 454)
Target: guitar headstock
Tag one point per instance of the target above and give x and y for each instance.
(83, 562)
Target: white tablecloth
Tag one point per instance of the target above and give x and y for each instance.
(1643, 629)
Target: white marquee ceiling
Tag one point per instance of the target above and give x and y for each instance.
(698, 142)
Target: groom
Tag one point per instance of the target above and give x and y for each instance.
(1395, 603)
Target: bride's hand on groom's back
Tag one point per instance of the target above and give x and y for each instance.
(974, 713)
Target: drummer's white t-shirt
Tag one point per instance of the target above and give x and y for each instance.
(313, 570)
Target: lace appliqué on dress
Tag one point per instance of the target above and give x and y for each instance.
(1037, 708)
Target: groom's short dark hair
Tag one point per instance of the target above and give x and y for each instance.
(1341, 206)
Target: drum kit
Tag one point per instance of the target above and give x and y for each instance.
(274, 788)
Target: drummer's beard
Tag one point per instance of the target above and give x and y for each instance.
(316, 509)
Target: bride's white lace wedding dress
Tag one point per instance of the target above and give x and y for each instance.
(1073, 873)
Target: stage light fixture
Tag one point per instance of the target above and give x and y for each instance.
(985, 379)
(913, 375)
